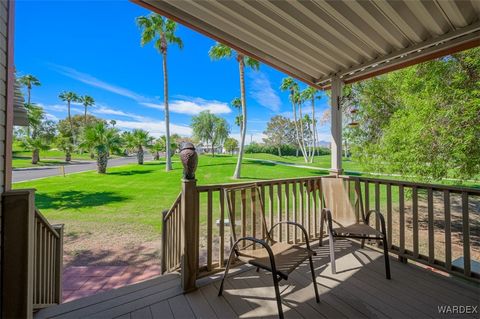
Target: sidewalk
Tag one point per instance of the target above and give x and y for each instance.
(83, 281)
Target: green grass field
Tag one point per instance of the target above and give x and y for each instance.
(320, 161)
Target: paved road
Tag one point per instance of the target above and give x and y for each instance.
(26, 174)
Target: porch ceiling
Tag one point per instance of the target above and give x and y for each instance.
(315, 40)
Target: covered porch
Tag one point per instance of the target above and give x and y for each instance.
(430, 228)
(358, 290)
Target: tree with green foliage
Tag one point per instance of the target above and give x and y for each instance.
(28, 81)
(421, 121)
(39, 133)
(289, 84)
(87, 101)
(237, 104)
(311, 93)
(156, 146)
(104, 140)
(221, 51)
(69, 97)
(278, 130)
(210, 128)
(161, 31)
(140, 139)
(230, 144)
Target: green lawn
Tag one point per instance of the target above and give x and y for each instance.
(320, 161)
(24, 162)
(121, 211)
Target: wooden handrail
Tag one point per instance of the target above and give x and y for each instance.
(456, 189)
(46, 223)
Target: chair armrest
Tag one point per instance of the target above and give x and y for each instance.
(264, 245)
(379, 216)
(304, 231)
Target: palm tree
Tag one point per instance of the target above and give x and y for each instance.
(103, 140)
(221, 51)
(310, 93)
(161, 31)
(69, 96)
(27, 81)
(237, 103)
(86, 101)
(289, 84)
(140, 138)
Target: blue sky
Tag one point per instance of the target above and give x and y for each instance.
(94, 48)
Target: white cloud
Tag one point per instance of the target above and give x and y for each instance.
(261, 91)
(93, 81)
(193, 106)
(156, 128)
(106, 110)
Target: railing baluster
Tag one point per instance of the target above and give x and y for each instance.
(302, 206)
(315, 207)
(279, 211)
(401, 199)
(377, 204)
(389, 214)
(415, 221)
(295, 210)
(209, 230)
(270, 200)
(262, 195)
(287, 209)
(243, 214)
(253, 212)
(367, 197)
(221, 233)
(431, 238)
(448, 238)
(466, 235)
(309, 209)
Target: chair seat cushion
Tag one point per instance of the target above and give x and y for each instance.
(360, 230)
(287, 257)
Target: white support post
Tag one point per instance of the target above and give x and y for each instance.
(336, 126)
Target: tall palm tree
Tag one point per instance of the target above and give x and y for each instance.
(289, 84)
(161, 31)
(221, 51)
(103, 140)
(87, 101)
(28, 81)
(310, 93)
(140, 138)
(69, 97)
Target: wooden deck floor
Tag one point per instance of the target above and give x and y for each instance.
(358, 290)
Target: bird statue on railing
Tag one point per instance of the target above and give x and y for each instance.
(189, 159)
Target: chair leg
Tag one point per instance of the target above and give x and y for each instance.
(314, 279)
(362, 245)
(277, 294)
(227, 267)
(387, 260)
(332, 252)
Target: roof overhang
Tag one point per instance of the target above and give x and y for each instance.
(316, 40)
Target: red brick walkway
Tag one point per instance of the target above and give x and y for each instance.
(83, 281)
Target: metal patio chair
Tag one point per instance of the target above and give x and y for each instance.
(339, 211)
(254, 243)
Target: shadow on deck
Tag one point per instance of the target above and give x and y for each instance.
(358, 290)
